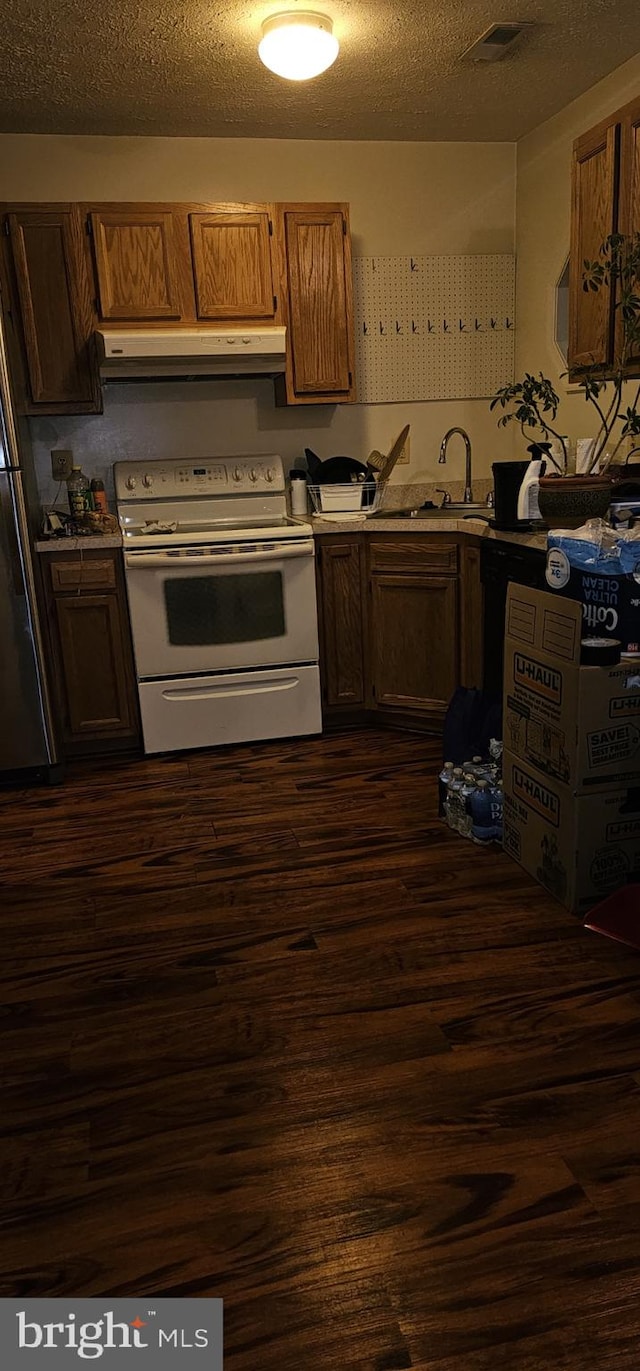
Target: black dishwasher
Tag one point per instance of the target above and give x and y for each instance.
(499, 564)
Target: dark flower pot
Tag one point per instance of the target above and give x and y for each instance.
(568, 501)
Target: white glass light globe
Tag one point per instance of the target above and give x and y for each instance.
(298, 46)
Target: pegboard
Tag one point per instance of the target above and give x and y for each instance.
(433, 327)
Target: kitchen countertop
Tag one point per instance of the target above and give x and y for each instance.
(91, 542)
(478, 528)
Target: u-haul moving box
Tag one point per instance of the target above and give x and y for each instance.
(581, 847)
(579, 725)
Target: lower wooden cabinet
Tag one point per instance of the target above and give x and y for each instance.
(340, 565)
(414, 641)
(90, 651)
(400, 624)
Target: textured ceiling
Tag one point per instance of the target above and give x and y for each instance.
(190, 68)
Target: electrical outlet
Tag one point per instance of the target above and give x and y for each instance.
(61, 463)
(405, 455)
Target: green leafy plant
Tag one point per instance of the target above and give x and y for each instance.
(534, 406)
(533, 402)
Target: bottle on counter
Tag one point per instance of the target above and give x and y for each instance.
(99, 495)
(298, 481)
(528, 503)
(79, 490)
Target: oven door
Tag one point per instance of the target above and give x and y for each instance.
(227, 606)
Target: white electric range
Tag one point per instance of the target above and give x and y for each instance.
(222, 599)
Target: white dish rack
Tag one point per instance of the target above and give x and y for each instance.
(348, 498)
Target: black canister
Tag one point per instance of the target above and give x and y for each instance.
(507, 479)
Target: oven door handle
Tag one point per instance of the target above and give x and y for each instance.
(133, 560)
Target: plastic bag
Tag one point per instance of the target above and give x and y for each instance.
(598, 548)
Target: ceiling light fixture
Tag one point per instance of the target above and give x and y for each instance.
(298, 45)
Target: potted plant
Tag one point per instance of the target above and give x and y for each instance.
(533, 402)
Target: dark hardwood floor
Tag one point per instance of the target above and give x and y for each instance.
(271, 1032)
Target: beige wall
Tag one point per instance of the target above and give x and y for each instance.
(542, 240)
(404, 198)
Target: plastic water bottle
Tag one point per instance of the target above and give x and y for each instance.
(496, 812)
(468, 787)
(453, 807)
(446, 775)
(495, 753)
(481, 815)
(478, 768)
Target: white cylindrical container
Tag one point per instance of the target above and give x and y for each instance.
(298, 494)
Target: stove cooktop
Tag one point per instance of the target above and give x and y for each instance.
(182, 534)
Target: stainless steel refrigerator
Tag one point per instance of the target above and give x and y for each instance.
(27, 738)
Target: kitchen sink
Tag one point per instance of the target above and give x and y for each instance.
(453, 511)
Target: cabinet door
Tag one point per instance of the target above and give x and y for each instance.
(93, 665)
(320, 305)
(629, 216)
(91, 656)
(629, 202)
(341, 622)
(51, 280)
(232, 265)
(136, 255)
(593, 218)
(414, 641)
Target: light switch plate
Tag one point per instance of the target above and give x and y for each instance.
(61, 463)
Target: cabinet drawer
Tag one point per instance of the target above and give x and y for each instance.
(83, 575)
(414, 552)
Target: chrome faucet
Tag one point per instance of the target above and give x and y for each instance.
(468, 493)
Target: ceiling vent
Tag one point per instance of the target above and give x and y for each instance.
(495, 43)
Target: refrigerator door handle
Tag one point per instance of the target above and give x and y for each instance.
(9, 541)
(19, 543)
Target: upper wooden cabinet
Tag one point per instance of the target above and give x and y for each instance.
(136, 259)
(594, 215)
(605, 198)
(318, 256)
(164, 264)
(74, 268)
(232, 265)
(48, 311)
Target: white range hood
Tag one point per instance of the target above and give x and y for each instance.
(129, 353)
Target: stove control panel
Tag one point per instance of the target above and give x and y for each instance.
(176, 479)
